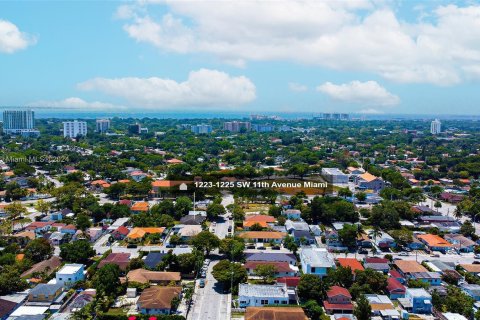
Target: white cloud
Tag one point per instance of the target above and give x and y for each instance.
(368, 93)
(206, 88)
(12, 39)
(76, 103)
(364, 36)
(297, 87)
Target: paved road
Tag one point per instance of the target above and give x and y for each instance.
(210, 303)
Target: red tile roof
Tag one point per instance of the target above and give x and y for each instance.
(394, 285)
(394, 273)
(354, 264)
(289, 281)
(337, 306)
(376, 260)
(122, 230)
(336, 290)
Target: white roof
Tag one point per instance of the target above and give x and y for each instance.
(119, 222)
(454, 316)
(333, 171)
(17, 297)
(70, 268)
(29, 311)
(378, 299)
(317, 257)
(267, 291)
(418, 293)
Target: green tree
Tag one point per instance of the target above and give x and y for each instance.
(77, 252)
(205, 241)
(182, 206)
(363, 310)
(38, 250)
(228, 273)
(348, 235)
(10, 280)
(467, 229)
(361, 196)
(313, 310)
(311, 287)
(417, 283)
(232, 248)
(42, 206)
(106, 280)
(266, 272)
(214, 210)
(341, 276)
(83, 222)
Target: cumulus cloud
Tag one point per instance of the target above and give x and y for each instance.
(206, 88)
(297, 87)
(368, 93)
(364, 36)
(12, 39)
(75, 103)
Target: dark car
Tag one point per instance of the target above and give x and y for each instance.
(251, 247)
(363, 251)
(169, 245)
(276, 248)
(131, 246)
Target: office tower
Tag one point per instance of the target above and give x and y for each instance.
(73, 129)
(103, 125)
(135, 128)
(201, 128)
(435, 127)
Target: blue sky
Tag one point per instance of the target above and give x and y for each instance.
(306, 56)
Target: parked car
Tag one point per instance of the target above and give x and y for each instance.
(403, 254)
(261, 248)
(363, 251)
(202, 283)
(183, 246)
(132, 246)
(251, 247)
(230, 229)
(477, 256)
(276, 248)
(169, 245)
(435, 255)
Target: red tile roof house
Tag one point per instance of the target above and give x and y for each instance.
(395, 289)
(120, 233)
(351, 263)
(39, 227)
(339, 300)
(291, 282)
(121, 259)
(283, 268)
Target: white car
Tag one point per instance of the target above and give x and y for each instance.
(477, 256)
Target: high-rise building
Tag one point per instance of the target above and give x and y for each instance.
(135, 128)
(236, 126)
(103, 125)
(73, 129)
(201, 128)
(435, 127)
(19, 122)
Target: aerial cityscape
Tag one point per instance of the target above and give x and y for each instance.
(239, 160)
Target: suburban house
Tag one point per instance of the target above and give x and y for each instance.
(473, 269)
(94, 233)
(338, 300)
(292, 226)
(255, 295)
(409, 267)
(383, 241)
(138, 234)
(416, 244)
(292, 214)
(45, 292)
(157, 300)
(433, 278)
(316, 261)
(435, 242)
(263, 236)
(153, 259)
(303, 237)
(139, 207)
(377, 264)
(291, 282)
(395, 289)
(46, 266)
(191, 219)
(460, 243)
(473, 290)
(121, 259)
(368, 181)
(120, 233)
(282, 269)
(382, 306)
(260, 219)
(39, 227)
(153, 277)
(271, 257)
(275, 313)
(420, 300)
(351, 263)
(69, 274)
(188, 231)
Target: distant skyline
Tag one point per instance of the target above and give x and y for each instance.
(177, 56)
